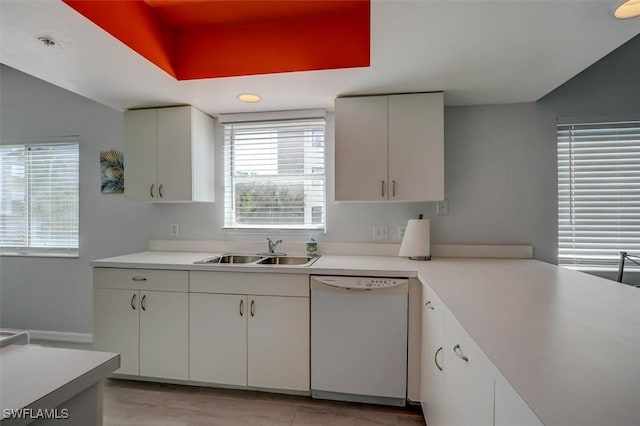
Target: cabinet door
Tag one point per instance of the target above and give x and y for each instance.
(361, 149)
(174, 154)
(115, 326)
(416, 147)
(432, 368)
(164, 334)
(140, 134)
(278, 335)
(218, 338)
(468, 384)
(510, 409)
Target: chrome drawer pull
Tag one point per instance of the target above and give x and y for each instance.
(142, 304)
(435, 358)
(241, 307)
(458, 351)
(160, 191)
(151, 190)
(253, 309)
(138, 278)
(133, 302)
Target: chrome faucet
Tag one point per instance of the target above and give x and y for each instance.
(272, 245)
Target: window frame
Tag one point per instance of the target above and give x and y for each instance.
(277, 119)
(28, 250)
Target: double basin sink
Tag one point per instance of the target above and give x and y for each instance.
(257, 259)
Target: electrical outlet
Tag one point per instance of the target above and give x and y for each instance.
(380, 232)
(401, 230)
(442, 207)
(175, 229)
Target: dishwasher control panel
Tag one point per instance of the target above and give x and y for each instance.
(362, 282)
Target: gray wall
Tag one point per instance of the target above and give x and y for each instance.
(55, 293)
(500, 174)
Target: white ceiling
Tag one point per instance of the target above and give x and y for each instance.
(477, 52)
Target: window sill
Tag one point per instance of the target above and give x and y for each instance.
(46, 255)
(256, 229)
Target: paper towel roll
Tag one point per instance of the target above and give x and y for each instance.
(416, 242)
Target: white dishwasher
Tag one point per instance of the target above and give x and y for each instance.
(359, 339)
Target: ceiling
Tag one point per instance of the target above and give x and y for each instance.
(229, 38)
(476, 51)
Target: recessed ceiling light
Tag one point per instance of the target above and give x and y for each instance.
(628, 9)
(249, 97)
(47, 41)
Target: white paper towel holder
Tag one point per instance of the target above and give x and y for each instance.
(415, 243)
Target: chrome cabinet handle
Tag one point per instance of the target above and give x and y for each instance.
(139, 278)
(133, 302)
(160, 191)
(435, 358)
(241, 307)
(382, 182)
(429, 305)
(253, 309)
(393, 188)
(151, 190)
(458, 351)
(142, 304)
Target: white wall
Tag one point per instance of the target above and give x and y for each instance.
(56, 294)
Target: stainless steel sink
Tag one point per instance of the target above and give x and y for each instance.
(229, 259)
(252, 259)
(239, 258)
(288, 260)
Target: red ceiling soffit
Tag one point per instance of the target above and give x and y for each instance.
(195, 39)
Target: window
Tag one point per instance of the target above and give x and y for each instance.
(598, 192)
(39, 198)
(274, 174)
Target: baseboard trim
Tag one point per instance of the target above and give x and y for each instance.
(59, 336)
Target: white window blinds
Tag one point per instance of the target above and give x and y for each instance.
(39, 199)
(598, 192)
(274, 174)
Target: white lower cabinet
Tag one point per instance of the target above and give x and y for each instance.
(279, 343)
(468, 379)
(432, 366)
(510, 409)
(116, 326)
(218, 338)
(256, 340)
(164, 334)
(144, 316)
(459, 385)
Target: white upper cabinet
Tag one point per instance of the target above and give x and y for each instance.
(361, 149)
(390, 148)
(168, 155)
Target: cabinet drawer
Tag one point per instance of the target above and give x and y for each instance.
(142, 279)
(266, 284)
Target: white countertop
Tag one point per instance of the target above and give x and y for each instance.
(568, 342)
(36, 377)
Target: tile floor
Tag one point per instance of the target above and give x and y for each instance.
(142, 403)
